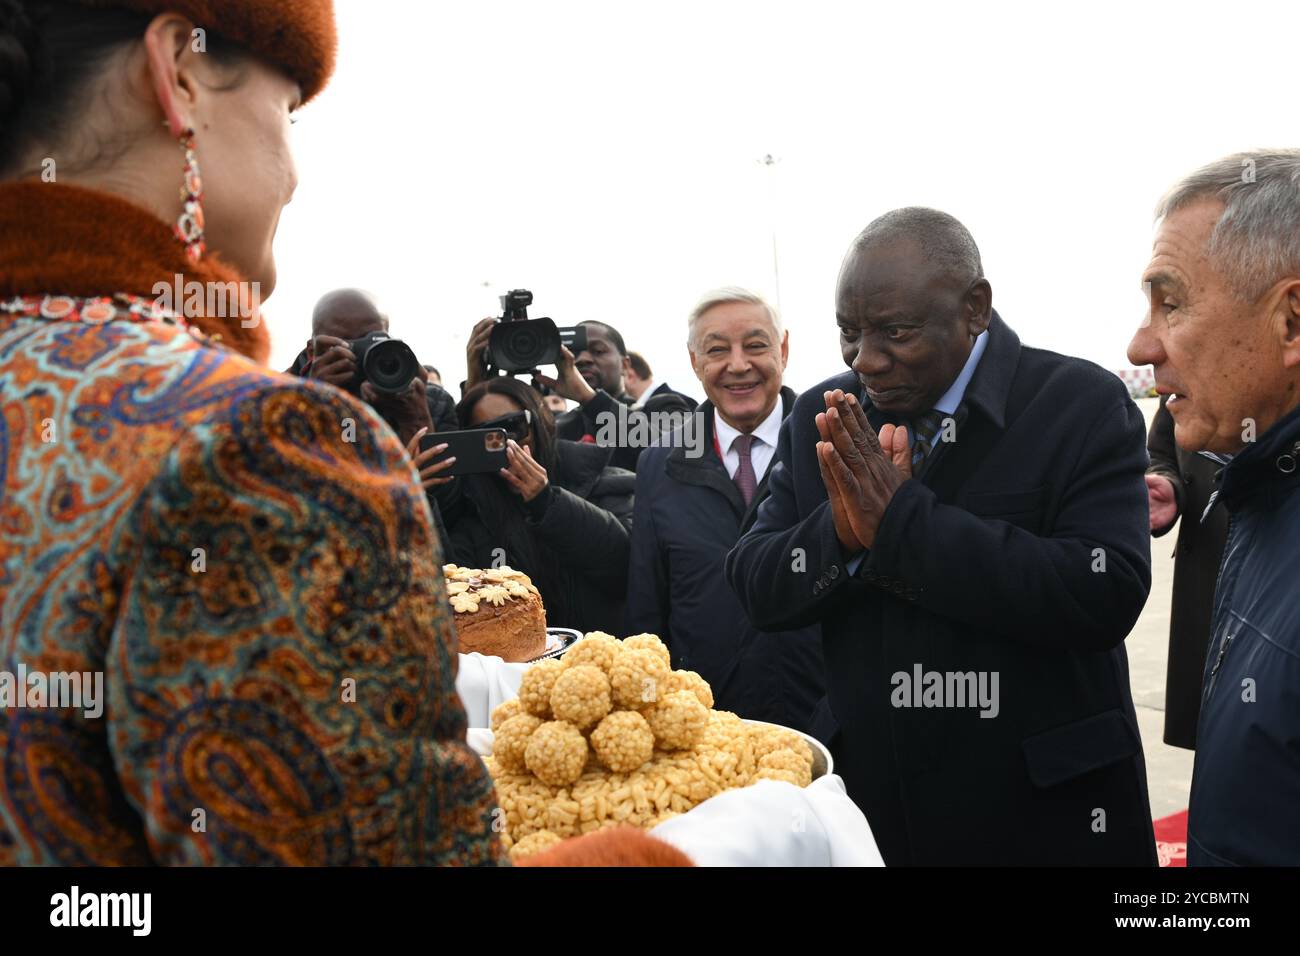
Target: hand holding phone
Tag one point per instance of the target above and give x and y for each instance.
(478, 451)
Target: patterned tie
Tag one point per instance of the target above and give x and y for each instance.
(744, 476)
(924, 428)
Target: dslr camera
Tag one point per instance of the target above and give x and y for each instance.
(386, 363)
(521, 344)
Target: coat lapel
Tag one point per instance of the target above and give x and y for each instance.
(707, 471)
(982, 416)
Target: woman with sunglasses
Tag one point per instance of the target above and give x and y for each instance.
(559, 512)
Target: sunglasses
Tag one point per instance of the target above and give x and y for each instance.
(516, 424)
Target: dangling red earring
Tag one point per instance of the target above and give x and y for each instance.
(189, 227)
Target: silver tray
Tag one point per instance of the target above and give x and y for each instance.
(823, 764)
(558, 640)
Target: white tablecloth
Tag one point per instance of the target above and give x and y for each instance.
(485, 682)
(775, 824)
(767, 824)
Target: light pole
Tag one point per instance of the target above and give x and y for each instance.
(770, 162)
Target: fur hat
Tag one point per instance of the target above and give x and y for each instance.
(299, 36)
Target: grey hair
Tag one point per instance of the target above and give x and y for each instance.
(1256, 241)
(940, 236)
(724, 296)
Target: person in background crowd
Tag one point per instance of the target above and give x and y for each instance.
(637, 376)
(1223, 336)
(1180, 485)
(690, 512)
(435, 377)
(559, 513)
(967, 520)
(556, 404)
(641, 385)
(593, 379)
(346, 315)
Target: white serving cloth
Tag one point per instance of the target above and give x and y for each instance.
(485, 682)
(775, 824)
(768, 824)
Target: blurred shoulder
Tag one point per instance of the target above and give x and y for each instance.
(1073, 378)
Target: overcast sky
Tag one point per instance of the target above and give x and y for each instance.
(606, 156)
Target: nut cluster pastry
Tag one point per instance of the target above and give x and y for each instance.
(609, 735)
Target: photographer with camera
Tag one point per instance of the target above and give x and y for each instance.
(350, 348)
(591, 361)
(558, 512)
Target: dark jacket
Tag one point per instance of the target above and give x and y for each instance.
(689, 514)
(572, 539)
(1196, 568)
(1245, 806)
(1023, 552)
(664, 390)
(594, 423)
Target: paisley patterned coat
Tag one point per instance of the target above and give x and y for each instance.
(244, 557)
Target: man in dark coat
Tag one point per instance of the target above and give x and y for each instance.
(1223, 336)
(604, 414)
(639, 381)
(1180, 485)
(973, 616)
(692, 501)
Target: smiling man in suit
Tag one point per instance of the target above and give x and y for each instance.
(967, 520)
(692, 502)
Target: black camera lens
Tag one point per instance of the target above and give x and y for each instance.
(520, 346)
(387, 364)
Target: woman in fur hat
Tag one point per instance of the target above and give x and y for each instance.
(223, 633)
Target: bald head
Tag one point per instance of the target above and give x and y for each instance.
(940, 239)
(348, 314)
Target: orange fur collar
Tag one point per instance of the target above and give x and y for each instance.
(65, 240)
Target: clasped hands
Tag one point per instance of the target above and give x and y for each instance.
(861, 470)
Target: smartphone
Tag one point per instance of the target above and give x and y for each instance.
(479, 451)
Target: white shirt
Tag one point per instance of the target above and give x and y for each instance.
(760, 453)
(650, 387)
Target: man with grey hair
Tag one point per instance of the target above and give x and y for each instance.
(1223, 336)
(966, 519)
(693, 503)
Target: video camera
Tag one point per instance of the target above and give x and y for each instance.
(521, 344)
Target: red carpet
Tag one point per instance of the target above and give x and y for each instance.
(1171, 839)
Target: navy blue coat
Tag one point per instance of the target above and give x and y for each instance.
(1022, 551)
(1245, 806)
(688, 514)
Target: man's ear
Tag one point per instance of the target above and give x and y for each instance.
(167, 51)
(785, 347)
(979, 307)
(699, 377)
(1288, 323)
